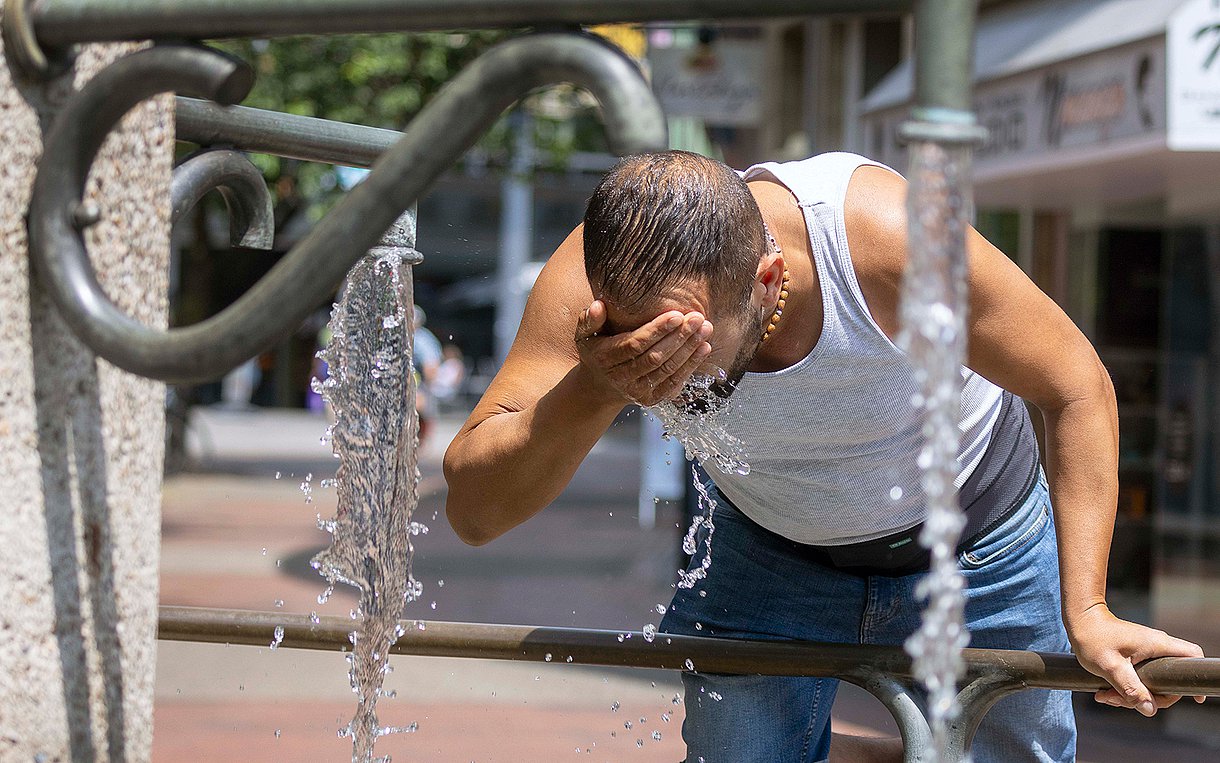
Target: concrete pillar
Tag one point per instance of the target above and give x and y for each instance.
(80, 452)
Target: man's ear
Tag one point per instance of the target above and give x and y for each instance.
(769, 277)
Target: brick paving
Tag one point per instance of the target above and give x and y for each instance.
(235, 536)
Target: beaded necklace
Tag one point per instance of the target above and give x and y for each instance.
(783, 289)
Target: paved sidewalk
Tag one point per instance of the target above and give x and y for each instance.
(236, 536)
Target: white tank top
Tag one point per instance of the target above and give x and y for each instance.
(832, 440)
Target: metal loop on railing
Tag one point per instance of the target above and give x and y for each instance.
(306, 277)
(240, 184)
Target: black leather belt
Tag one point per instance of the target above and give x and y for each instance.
(999, 485)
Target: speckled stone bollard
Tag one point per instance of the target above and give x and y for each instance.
(81, 445)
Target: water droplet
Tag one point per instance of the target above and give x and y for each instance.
(896, 493)
(278, 475)
(650, 632)
(660, 609)
(279, 602)
(715, 695)
(690, 665)
(614, 708)
(433, 605)
(656, 735)
(277, 733)
(278, 636)
(548, 657)
(639, 743)
(263, 552)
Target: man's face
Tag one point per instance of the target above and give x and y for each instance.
(736, 334)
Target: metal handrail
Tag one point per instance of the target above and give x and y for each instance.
(306, 277)
(240, 184)
(60, 23)
(883, 671)
(309, 139)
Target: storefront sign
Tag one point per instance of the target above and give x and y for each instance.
(1089, 102)
(1194, 76)
(719, 82)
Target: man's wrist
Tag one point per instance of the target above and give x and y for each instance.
(1075, 614)
(595, 390)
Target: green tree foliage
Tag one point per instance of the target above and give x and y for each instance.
(383, 81)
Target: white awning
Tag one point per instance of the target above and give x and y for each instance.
(1024, 36)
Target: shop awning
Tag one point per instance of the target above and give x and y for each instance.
(1084, 101)
(1025, 36)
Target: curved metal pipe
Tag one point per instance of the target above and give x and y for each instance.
(240, 183)
(305, 278)
(900, 700)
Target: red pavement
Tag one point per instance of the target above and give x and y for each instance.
(583, 562)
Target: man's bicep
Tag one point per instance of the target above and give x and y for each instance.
(544, 350)
(1019, 338)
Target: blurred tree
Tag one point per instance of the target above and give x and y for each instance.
(383, 81)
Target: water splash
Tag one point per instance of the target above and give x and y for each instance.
(699, 419)
(934, 336)
(371, 389)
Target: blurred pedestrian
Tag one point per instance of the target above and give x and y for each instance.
(449, 377)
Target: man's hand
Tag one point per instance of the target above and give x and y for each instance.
(1111, 648)
(649, 364)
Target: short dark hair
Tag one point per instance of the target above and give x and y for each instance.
(659, 219)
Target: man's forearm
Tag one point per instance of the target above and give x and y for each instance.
(1082, 461)
(509, 466)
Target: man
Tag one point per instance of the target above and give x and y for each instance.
(788, 279)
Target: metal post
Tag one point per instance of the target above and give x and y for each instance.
(516, 231)
(939, 206)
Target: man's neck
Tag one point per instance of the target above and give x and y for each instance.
(800, 327)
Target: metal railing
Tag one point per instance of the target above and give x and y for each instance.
(885, 672)
(306, 277)
(59, 23)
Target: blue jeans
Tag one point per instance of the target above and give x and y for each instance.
(760, 587)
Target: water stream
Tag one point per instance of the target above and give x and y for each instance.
(933, 333)
(697, 419)
(371, 390)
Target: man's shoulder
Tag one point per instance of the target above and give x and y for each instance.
(818, 179)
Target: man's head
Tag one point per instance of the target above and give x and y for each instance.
(678, 231)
